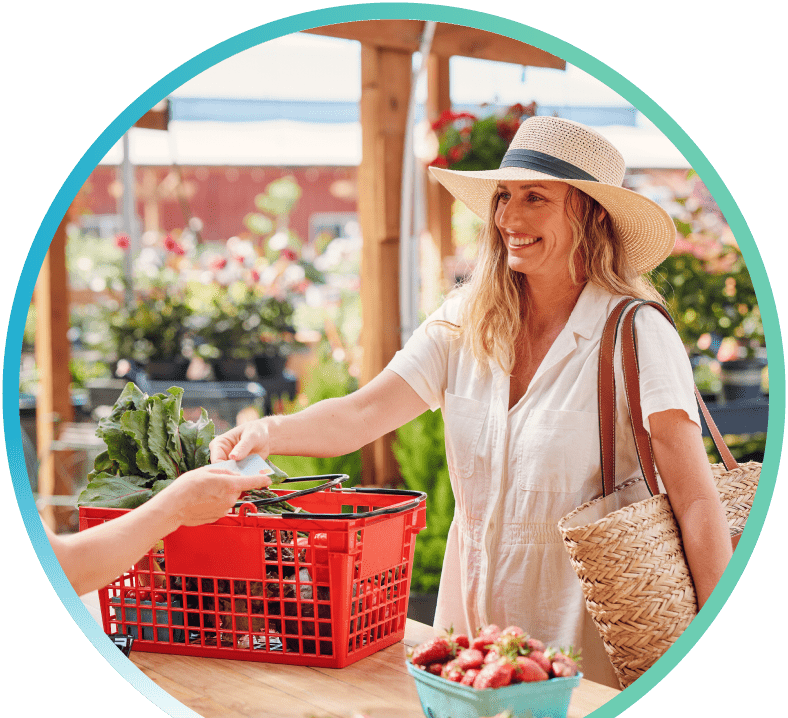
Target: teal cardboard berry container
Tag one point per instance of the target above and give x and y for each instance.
(441, 698)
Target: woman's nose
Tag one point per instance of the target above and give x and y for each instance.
(512, 217)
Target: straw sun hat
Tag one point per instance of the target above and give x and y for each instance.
(554, 149)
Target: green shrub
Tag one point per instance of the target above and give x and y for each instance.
(421, 454)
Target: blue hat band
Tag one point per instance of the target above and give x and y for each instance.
(541, 162)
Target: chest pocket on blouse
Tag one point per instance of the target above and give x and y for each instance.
(463, 419)
(558, 451)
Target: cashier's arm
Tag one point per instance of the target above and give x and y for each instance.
(92, 558)
(332, 427)
(684, 468)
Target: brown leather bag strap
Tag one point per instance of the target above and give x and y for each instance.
(632, 387)
(607, 396)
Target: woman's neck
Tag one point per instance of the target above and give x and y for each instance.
(553, 303)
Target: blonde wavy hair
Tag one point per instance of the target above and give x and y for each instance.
(496, 297)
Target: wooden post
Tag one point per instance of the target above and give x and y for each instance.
(53, 404)
(385, 91)
(439, 200)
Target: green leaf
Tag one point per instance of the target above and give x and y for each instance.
(103, 463)
(174, 416)
(195, 437)
(278, 476)
(158, 436)
(161, 485)
(117, 492)
(205, 433)
(135, 425)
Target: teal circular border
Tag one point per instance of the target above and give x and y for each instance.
(382, 11)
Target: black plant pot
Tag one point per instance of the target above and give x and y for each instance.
(270, 365)
(232, 369)
(167, 369)
(421, 607)
(741, 378)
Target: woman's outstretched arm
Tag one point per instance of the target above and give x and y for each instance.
(92, 558)
(332, 427)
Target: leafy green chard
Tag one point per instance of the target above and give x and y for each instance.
(149, 445)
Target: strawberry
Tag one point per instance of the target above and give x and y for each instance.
(452, 671)
(434, 668)
(470, 676)
(542, 660)
(493, 655)
(562, 670)
(462, 640)
(436, 649)
(485, 637)
(470, 658)
(494, 675)
(513, 631)
(535, 644)
(564, 662)
(528, 671)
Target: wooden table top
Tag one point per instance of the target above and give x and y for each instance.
(378, 686)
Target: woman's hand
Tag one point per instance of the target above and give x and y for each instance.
(206, 494)
(249, 438)
(94, 557)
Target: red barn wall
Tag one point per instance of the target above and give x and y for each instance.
(219, 196)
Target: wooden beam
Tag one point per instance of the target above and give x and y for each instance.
(53, 403)
(449, 40)
(439, 199)
(385, 91)
(404, 35)
(469, 42)
(157, 118)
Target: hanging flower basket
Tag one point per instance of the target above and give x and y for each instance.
(467, 142)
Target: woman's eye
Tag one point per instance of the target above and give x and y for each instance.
(533, 198)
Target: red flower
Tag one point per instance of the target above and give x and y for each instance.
(457, 152)
(122, 241)
(289, 255)
(218, 263)
(255, 276)
(172, 246)
(448, 116)
(439, 161)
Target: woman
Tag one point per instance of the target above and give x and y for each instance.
(511, 360)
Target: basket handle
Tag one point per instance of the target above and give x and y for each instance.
(418, 497)
(331, 480)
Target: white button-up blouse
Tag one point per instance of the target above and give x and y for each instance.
(516, 472)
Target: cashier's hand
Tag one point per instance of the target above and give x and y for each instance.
(206, 494)
(249, 438)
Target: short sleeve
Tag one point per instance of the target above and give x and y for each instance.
(423, 361)
(666, 380)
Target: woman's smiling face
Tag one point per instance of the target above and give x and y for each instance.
(532, 220)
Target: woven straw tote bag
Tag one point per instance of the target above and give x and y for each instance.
(625, 546)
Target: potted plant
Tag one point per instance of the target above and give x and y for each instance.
(242, 328)
(151, 332)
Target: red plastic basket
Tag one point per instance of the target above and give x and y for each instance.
(325, 588)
